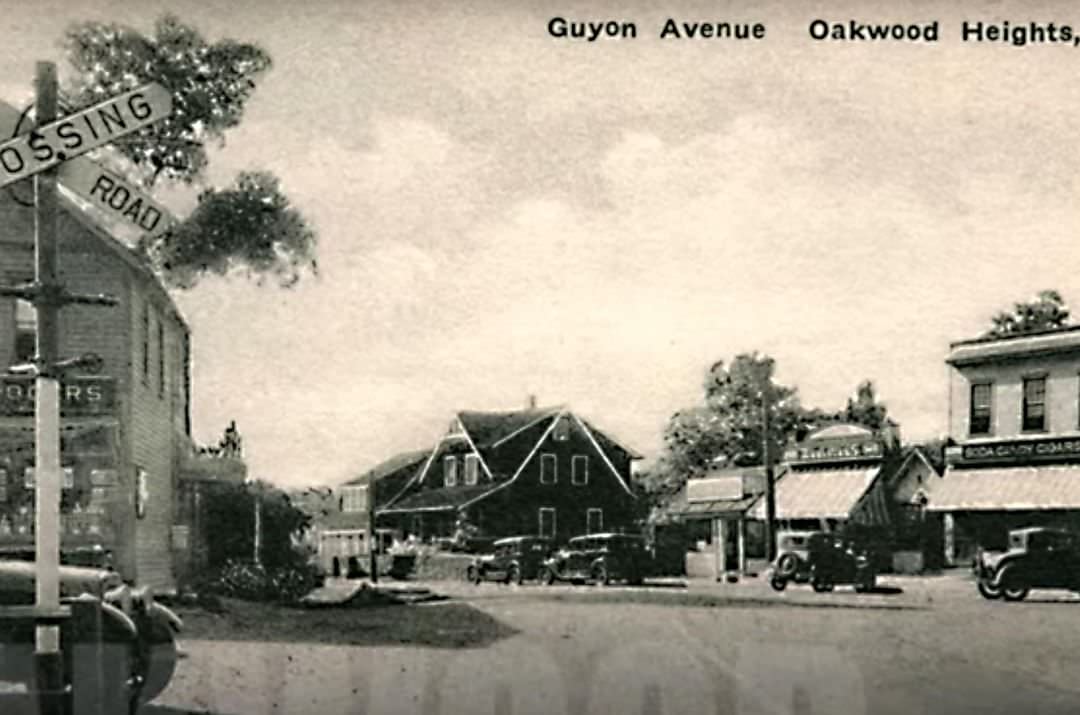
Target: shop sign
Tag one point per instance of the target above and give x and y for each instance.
(708, 489)
(1065, 449)
(79, 396)
(833, 451)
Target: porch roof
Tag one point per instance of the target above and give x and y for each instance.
(818, 493)
(1007, 489)
(710, 509)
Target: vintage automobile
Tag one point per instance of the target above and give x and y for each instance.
(138, 634)
(793, 559)
(600, 558)
(831, 559)
(513, 560)
(1037, 557)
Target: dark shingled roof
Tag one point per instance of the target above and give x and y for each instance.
(391, 466)
(443, 498)
(487, 428)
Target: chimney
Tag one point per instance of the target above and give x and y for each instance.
(532, 402)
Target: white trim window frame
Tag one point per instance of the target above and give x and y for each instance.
(450, 470)
(546, 511)
(576, 470)
(472, 469)
(599, 527)
(549, 469)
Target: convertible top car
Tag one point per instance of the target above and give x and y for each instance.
(139, 633)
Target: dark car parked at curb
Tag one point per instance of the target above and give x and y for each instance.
(1037, 557)
(138, 635)
(600, 558)
(793, 559)
(513, 560)
(831, 560)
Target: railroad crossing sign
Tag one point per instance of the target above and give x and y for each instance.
(58, 141)
(114, 195)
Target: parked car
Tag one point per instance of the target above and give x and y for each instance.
(793, 559)
(600, 558)
(139, 634)
(831, 559)
(1037, 557)
(513, 560)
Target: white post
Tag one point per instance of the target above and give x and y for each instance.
(47, 476)
(721, 549)
(741, 523)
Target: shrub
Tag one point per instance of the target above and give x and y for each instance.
(255, 582)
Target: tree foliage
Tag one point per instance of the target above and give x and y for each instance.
(865, 409)
(210, 83)
(230, 524)
(249, 225)
(1047, 311)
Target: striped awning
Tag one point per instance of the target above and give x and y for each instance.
(1007, 489)
(819, 494)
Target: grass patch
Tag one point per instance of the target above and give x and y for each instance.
(447, 625)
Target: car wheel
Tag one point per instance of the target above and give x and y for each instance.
(778, 583)
(546, 576)
(472, 575)
(787, 565)
(600, 575)
(1012, 589)
(1014, 594)
(514, 575)
(988, 590)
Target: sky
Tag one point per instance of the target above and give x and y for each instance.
(504, 214)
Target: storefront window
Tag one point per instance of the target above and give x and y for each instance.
(981, 408)
(1034, 404)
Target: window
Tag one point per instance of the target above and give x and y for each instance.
(472, 468)
(145, 341)
(354, 499)
(25, 331)
(981, 418)
(547, 522)
(594, 521)
(450, 471)
(562, 430)
(549, 469)
(579, 470)
(161, 357)
(1034, 412)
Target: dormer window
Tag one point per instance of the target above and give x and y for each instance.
(561, 433)
(472, 469)
(450, 471)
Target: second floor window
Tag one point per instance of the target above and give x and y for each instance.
(579, 474)
(472, 468)
(450, 471)
(981, 408)
(1034, 412)
(548, 469)
(25, 331)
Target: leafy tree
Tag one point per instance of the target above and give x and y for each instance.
(1046, 311)
(864, 409)
(728, 426)
(230, 521)
(250, 224)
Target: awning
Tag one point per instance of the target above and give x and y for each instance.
(1007, 489)
(732, 508)
(818, 494)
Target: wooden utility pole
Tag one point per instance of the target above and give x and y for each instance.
(47, 474)
(372, 540)
(767, 458)
(258, 525)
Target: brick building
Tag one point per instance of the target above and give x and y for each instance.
(133, 480)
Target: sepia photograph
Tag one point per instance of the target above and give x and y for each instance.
(512, 358)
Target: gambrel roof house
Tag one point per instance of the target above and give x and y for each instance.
(546, 470)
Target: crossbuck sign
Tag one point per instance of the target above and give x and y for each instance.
(44, 147)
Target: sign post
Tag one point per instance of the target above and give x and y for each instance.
(39, 153)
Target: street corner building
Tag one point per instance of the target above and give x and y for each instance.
(545, 472)
(1014, 426)
(843, 477)
(133, 479)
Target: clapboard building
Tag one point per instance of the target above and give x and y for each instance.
(132, 476)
